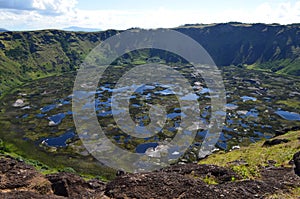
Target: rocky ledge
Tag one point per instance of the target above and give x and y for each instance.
(18, 180)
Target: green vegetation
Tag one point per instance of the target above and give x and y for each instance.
(8, 150)
(290, 103)
(26, 56)
(55, 164)
(247, 160)
(210, 180)
(282, 66)
(272, 47)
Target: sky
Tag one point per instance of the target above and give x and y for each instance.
(124, 14)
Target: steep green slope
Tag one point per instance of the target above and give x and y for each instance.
(272, 47)
(30, 55)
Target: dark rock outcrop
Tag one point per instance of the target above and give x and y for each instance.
(220, 174)
(16, 175)
(27, 195)
(186, 181)
(73, 186)
(286, 129)
(275, 142)
(18, 180)
(296, 159)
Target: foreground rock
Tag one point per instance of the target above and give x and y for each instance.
(275, 142)
(73, 186)
(18, 180)
(188, 181)
(296, 159)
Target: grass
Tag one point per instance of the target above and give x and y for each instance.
(8, 150)
(254, 156)
(256, 66)
(210, 180)
(53, 164)
(282, 67)
(28, 56)
(290, 103)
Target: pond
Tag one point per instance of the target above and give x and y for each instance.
(60, 141)
(142, 148)
(288, 115)
(44, 119)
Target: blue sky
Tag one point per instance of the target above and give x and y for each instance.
(124, 14)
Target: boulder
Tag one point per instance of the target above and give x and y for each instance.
(187, 181)
(275, 142)
(19, 180)
(296, 159)
(16, 175)
(19, 103)
(73, 186)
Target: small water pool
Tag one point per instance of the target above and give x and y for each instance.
(142, 148)
(288, 115)
(248, 98)
(59, 141)
(56, 119)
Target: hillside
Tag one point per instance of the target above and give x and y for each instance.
(30, 55)
(273, 47)
(42, 153)
(230, 175)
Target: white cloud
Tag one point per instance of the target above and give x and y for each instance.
(42, 14)
(55, 7)
(284, 13)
